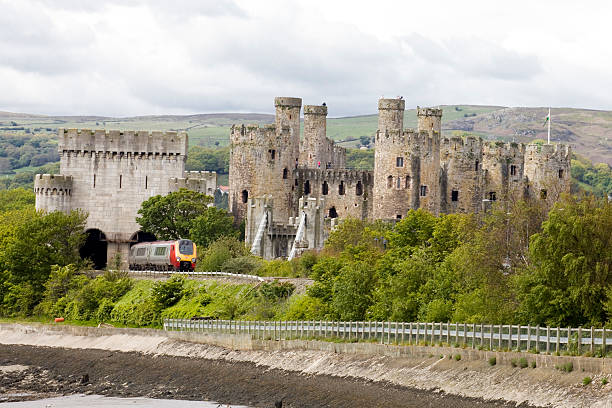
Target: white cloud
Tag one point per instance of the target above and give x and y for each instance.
(184, 56)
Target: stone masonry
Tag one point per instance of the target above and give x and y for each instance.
(413, 168)
(108, 174)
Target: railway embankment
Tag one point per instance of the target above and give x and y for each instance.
(519, 378)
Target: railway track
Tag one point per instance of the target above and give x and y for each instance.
(155, 274)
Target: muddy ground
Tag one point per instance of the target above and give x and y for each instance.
(59, 371)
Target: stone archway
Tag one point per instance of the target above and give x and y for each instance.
(95, 248)
(141, 236)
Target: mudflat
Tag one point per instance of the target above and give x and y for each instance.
(52, 371)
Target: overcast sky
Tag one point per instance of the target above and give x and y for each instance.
(131, 57)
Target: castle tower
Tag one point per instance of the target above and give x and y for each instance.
(53, 192)
(429, 119)
(429, 128)
(314, 148)
(262, 159)
(391, 114)
(461, 165)
(547, 171)
(394, 167)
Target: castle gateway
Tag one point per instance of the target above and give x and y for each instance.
(108, 174)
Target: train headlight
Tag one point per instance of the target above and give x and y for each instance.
(178, 259)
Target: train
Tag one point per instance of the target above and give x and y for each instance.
(179, 255)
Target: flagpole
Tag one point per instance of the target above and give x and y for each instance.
(549, 125)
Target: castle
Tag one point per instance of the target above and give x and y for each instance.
(291, 192)
(109, 174)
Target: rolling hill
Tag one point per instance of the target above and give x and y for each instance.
(588, 131)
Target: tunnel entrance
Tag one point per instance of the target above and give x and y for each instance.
(141, 236)
(95, 248)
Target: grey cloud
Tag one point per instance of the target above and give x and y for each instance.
(475, 57)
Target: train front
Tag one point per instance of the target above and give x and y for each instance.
(185, 255)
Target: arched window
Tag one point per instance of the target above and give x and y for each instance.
(333, 213)
(476, 166)
(325, 188)
(399, 182)
(285, 173)
(341, 188)
(359, 188)
(245, 196)
(390, 182)
(307, 187)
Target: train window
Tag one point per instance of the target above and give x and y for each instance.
(141, 251)
(186, 247)
(160, 251)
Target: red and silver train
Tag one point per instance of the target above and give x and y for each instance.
(177, 255)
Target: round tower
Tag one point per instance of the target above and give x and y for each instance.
(315, 136)
(394, 168)
(391, 114)
(53, 192)
(429, 119)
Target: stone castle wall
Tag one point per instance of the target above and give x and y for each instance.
(53, 192)
(346, 193)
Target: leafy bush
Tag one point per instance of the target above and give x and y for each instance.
(217, 253)
(457, 357)
(243, 264)
(167, 293)
(306, 308)
(586, 380)
(492, 361)
(276, 290)
(523, 363)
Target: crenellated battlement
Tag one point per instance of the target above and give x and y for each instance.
(429, 111)
(128, 141)
(504, 149)
(548, 151)
(258, 134)
(468, 141)
(287, 101)
(405, 137)
(315, 110)
(52, 183)
(202, 175)
(391, 104)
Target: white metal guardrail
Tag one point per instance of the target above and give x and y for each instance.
(194, 274)
(493, 337)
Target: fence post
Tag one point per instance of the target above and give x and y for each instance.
(592, 340)
(547, 339)
(481, 335)
(580, 340)
(603, 342)
(389, 332)
(558, 340)
(528, 337)
(433, 333)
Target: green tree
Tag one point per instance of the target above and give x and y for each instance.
(171, 216)
(571, 275)
(211, 225)
(352, 291)
(17, 199)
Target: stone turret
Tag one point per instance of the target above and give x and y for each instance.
(315, 137)
(547, 171)
(391, 114)
(429, 119)
(53, 192)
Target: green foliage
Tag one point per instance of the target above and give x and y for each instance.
(306, 307)
(492, 361)
(200, 159)
(40, 241)
(172, 216)
(360, 159)
(24, 179)
(26, 150)
(220, 251)
(17, 199)
(604, 381)
(167, 293)
(243, 264)
(352, 291)
(596, 176)
(457, 357)
(211, 225)
(586, 381)
(569, 282)
(523, 363)
(276, 290)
